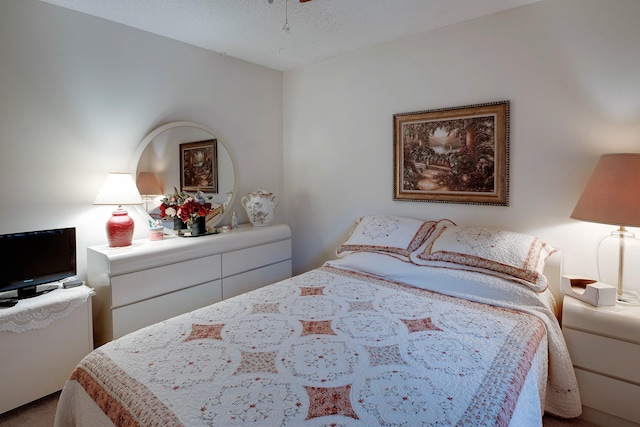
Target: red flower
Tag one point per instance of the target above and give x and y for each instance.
(184, 206)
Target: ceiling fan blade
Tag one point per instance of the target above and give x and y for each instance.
(304, 1)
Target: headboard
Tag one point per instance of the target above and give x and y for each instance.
(553, 272)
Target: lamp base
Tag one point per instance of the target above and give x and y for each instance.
(120, 229)
(618, 256)
(629, 298)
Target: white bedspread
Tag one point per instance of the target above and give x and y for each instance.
(562, 396)
(330, 347)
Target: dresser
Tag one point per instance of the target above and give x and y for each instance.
(151, 281)
(604, 344)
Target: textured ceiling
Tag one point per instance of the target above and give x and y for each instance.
(319, 29)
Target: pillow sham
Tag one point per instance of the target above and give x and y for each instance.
(515, 256)
(389, 235)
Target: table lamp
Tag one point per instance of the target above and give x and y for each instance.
(148, 186)
(612, 196)
(119, 189)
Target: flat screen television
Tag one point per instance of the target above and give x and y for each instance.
(33, 258)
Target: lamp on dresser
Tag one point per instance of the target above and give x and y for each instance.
(148, 186)
(119, 189)
(612, 196)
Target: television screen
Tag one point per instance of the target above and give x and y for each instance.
(33, 258)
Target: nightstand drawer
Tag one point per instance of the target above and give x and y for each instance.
(604, 355)
(609, 395)
(618, 322)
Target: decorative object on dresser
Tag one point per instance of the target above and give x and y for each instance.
(455, 155)
(190, 210)
(612, 196)
(234, 220)
(153, 281)
(604, 344)
(119, 189)
(156, 230)
(260, 206)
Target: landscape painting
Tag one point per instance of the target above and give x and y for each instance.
(456, 155)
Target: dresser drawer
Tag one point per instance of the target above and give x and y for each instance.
(604, 355)
(609, 395)
(254, 279)
(247, 259)
(133, 317)
(141, 285)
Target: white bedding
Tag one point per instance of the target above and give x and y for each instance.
(562, 396)
(337, 346)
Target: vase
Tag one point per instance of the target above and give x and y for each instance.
(260, 206)
(198, 226)
(120, 229)
(178, 224)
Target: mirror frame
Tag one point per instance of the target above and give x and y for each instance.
(184, 123)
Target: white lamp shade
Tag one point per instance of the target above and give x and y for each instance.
(118, 189)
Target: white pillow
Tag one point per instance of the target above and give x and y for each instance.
(515, 256)
(389, 235)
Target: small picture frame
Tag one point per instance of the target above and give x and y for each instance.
(199, 166)
(453, 155)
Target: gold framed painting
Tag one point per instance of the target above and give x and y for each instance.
(199, 166)
(453, 155)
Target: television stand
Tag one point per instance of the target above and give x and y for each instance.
(41, 342)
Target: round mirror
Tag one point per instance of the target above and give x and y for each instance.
(189, 157)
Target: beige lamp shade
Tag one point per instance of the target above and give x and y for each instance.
(148, 184)
(118, 189)
(612, 195)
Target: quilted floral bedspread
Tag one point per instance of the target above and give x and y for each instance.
(327, 348)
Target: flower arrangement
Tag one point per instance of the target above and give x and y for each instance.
(185, 206)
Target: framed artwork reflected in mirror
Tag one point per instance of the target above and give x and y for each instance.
(199, 166)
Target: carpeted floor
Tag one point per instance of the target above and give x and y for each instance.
(41, 413)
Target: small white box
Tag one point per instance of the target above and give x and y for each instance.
(588, 290)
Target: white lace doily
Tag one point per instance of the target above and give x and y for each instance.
(41, 311)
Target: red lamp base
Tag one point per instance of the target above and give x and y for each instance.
(120, 229)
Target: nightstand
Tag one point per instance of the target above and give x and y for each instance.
(604, 344)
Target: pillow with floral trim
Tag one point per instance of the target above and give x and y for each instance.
(390, 235)
(515, 256)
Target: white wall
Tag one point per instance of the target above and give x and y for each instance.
(570, 69)
(77, 96)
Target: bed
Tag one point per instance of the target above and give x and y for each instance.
(413, 323)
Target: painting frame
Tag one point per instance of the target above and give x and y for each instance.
(453, 155)
(199, 166)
